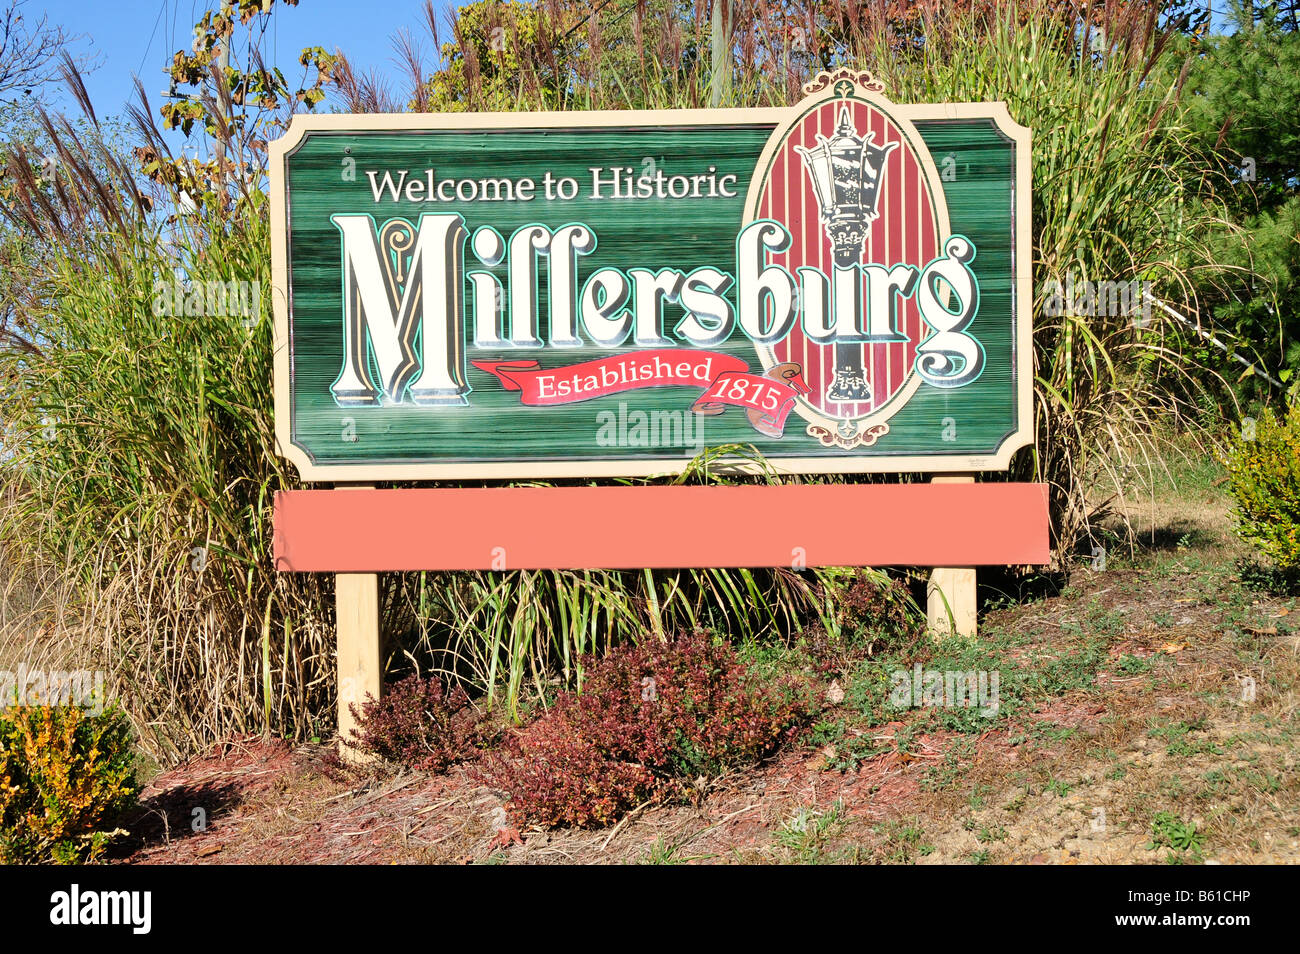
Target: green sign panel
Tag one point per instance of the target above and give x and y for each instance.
(843, 285)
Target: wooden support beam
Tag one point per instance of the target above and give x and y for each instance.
(951, 606)
(356, 598)
(356, 606)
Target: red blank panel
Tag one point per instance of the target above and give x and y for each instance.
(364, 531)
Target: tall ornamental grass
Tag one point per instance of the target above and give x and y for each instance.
(140, 461)
(1121, 194)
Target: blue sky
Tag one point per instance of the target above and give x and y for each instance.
(139, 36)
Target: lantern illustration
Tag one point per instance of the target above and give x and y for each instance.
(847, 171)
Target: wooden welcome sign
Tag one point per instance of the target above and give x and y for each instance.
(843, 285)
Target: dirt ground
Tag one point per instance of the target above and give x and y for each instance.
(1162, 727)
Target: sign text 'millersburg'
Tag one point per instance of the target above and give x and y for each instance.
(615, 305)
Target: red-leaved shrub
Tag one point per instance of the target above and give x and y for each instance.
(649, 720)
(418, 723)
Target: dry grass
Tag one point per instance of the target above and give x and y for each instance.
(37, 627)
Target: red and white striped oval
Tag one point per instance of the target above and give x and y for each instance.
(907, 231)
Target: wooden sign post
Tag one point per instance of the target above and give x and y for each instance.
(842, 286)
(951, 604)
(360, 672)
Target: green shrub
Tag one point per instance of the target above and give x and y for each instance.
(1264, 475)
(66, 779)
(141, 467)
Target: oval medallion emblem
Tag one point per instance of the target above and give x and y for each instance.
(860, 196)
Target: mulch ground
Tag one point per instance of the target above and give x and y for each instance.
(265, 802)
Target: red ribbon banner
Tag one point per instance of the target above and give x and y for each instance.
(725, 379)
(769, 398)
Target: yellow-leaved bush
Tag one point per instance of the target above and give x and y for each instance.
(1264, 474)
(66, 779)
